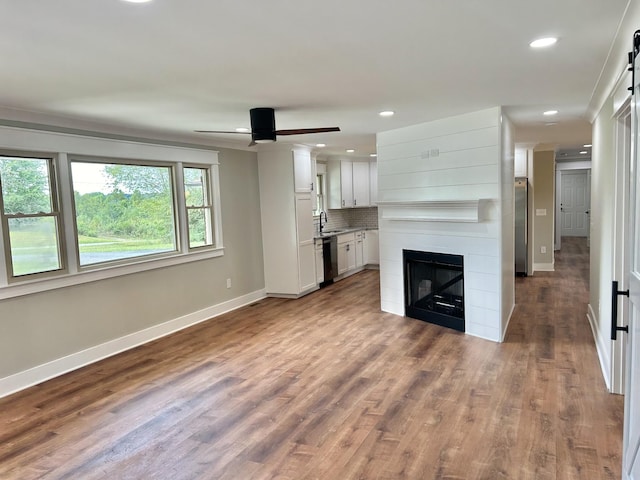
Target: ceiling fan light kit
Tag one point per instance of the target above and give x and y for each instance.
(263, 125)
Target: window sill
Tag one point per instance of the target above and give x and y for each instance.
(103, 273)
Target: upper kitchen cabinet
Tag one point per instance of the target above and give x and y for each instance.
(302, 170)
(340, 179)
(361, 184)
(373, 183)
(287, 221)
(349, 183)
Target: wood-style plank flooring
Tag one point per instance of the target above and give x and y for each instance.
(329, 387)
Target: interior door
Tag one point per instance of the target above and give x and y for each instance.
(575, 204)
(631, 442)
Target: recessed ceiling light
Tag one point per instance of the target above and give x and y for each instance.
(587, 145)
(320, 145)
(241, 129)
(543, 42)
(550, 112)
(583, 152)
(387, 113)
(373, 155)
(350, 150)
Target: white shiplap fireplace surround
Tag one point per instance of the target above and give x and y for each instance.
(447, 186)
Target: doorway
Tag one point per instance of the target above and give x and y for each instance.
(573, 201)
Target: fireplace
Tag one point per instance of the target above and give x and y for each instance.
(434, 288)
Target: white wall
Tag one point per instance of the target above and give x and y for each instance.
(508, 223)
(602, 224)
(601, 109)
(457, 158)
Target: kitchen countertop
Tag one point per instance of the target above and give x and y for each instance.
(340, 231)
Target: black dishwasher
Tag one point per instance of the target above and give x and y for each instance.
(329, 259)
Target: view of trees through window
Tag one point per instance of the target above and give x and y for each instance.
(122, 211)
(30, 214)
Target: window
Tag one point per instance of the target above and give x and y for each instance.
(30, 215)
(320, 188)
(122, 211)
(198, 204)
(93, 208)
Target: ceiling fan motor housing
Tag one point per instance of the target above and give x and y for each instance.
(263, 125)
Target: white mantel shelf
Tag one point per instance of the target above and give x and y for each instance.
(434, 210)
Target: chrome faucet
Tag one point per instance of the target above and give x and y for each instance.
(325, 219)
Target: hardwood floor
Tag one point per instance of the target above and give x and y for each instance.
(329, 387)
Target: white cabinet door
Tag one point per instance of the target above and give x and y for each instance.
(307, 267)
(306, 246)
(302, 171)
(373, 183)
(361, 180)
(319, 266)
(343, 258)
(371, 243)
(346, 183)
(351, 255)
(359, 252)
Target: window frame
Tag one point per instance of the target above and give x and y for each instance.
(176, 220)
(209, 205)
(65, 147)
(56, 213)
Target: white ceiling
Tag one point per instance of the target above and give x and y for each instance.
(166, 68)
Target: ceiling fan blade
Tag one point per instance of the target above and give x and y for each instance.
(219, 131)
(302, 131)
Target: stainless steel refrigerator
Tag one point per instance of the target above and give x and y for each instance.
(521, 226)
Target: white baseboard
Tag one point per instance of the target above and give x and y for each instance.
(60, 366)
(603, 354)
(544, 267)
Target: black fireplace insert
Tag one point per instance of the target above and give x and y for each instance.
(434, 288)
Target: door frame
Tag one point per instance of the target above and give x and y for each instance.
(561, 167)
(621, 239)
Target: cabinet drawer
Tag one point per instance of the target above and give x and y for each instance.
(346, 237)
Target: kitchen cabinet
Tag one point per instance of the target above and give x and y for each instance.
(350, 183)
(319, 261)
(361, 184)
(303, 182)
(371, 247)
(306, 247)
(359, 249)
(287, 222)
(373, 183)
(346, 252)
(340, 176)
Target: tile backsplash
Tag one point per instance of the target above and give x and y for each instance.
(350, 217)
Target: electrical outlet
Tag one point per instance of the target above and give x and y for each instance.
(228, 283)
(543, 249)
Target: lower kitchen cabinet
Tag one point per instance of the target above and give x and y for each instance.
(360, 249)
(371, 247)
(346, 253)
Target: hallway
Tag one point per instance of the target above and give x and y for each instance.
(569, 394)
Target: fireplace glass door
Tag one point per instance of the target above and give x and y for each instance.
(434, 288)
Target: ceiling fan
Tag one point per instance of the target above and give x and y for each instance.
(263, 127)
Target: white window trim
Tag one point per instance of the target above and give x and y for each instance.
(65, 145)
